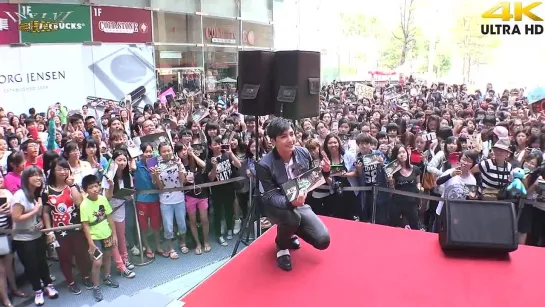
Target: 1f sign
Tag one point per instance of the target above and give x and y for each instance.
(512, 11)
(97, 11)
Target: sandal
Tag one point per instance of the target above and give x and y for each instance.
(173, 255)
(163, 253)
(207, 248)
(19, 293)
(184, 249)
(198, 251)
(150, 254)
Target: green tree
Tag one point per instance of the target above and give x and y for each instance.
(407, 30)
(474, 47)
(442, 61)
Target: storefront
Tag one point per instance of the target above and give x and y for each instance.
(190, 43)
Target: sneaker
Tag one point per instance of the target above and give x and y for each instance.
(97, 293)
(128, 274)
(108, 281)
(51, 292)
(129, 265)
(74, 289)
(39, 298)
(88, 284)
(238, 224)
(230, 235)
(135, 251)
(222, 241)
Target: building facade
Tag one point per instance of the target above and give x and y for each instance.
(63, 50)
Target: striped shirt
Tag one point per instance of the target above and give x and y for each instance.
(494, 177)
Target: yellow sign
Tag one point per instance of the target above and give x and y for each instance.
(507, 14)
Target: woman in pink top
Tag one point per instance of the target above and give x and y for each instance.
(16, 165)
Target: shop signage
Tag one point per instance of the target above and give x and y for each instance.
(121, 25)
(220, 36)
(8, 25)
(48, 23)
(248, 37)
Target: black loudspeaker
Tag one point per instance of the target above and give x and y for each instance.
(296, 87)
(254, 82)
(483, 226)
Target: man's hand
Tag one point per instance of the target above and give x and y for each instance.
(300, 200)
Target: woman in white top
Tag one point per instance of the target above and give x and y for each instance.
(170, 173)
(6, 260)
(122, 179)
(31, 246)
(456, 180)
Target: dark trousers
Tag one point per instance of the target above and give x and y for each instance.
(223, 200)
(74, 245)
(404, 211)
(33, 257)
(344, 206)
(298, 221)
(242, 199)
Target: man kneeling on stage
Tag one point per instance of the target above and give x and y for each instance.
(286, 161)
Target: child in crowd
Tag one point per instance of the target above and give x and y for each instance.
(95, 210)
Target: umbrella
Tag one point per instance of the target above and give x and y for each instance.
(227, 80)
(536, 95)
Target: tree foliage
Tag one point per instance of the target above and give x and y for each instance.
(474, 47)
(407, 29)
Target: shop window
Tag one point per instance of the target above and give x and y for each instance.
(128, 3)
(221, 31)
(176, 28)
(256, 10)
(220, 68)
(179, 67)
(182, 6)
(221, 8)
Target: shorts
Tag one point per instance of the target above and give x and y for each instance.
(151, 212)
(105, 244)
(192, 203)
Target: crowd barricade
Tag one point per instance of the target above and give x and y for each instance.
(374, 189)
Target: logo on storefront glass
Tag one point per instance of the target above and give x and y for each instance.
(122, 27)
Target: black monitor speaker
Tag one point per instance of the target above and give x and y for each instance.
(483, 226)
(254, 82)
(296, 88)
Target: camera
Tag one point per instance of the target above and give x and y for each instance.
(337, 187)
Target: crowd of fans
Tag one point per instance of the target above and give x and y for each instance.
(54, 167)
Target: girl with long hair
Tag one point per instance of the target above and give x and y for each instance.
(122, 180)
(404, 210)
(339, 204)
(31, 248)
(61, 199)
(196, 199)
(7, 274)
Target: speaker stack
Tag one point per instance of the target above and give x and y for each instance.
(284, 83)
(482, 226)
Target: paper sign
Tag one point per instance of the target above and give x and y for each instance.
(364, 91)
(163, 95)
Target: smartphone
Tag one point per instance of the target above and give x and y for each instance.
(152, 162)
(225, 146)
(97, 254)
(3, 201)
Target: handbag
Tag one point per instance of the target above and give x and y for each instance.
(5, 245)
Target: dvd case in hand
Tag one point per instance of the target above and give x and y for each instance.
(307, 182)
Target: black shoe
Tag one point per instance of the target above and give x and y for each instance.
(295, 244)
(284, 262)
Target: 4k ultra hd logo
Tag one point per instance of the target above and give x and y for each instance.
(512, 12)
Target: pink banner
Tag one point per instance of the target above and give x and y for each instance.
(163, 95)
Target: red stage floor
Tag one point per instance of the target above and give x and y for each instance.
(370, 265)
